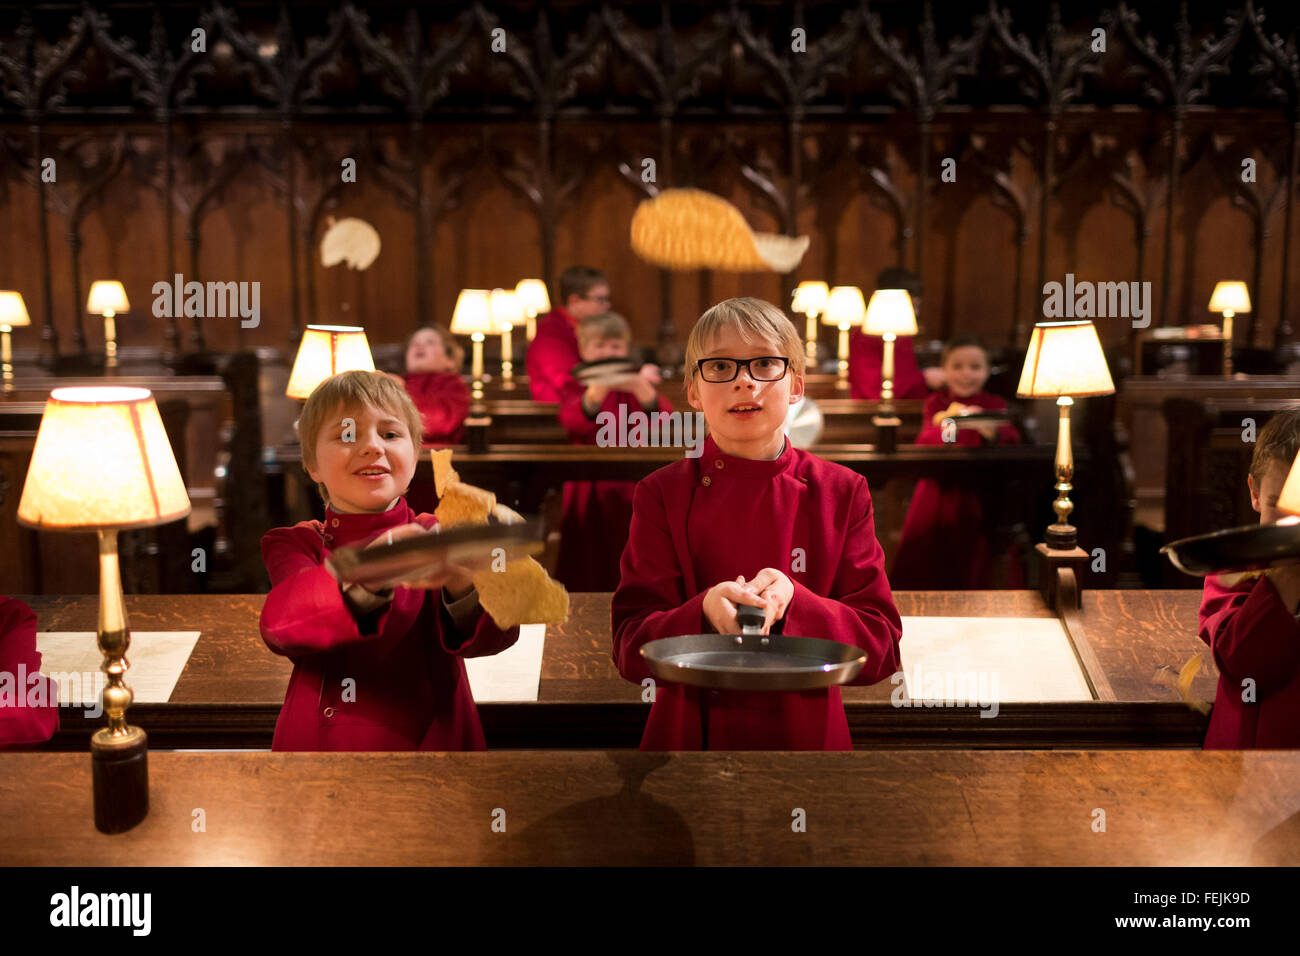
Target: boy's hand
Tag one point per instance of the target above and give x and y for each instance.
(643, 389)
(720, 604)
(650, 372)
(1287, 581)
(777, 591)
(595, 395)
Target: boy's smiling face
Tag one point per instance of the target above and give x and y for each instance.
(746, 418)
(369, 473)
(966, 369)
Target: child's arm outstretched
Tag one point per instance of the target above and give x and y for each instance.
(307, 611)
(1252, 632)
(650, 602)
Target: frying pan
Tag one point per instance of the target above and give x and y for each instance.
(607, 371)
(980, 418)
(751, 661)
(424, 555)
(1250, 548)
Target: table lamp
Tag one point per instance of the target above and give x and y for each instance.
(473, 317)
(13, 313)
(506, 314)
(534, 301)
(845, 308)
(889, 315)
(1064, 361)
(325, 351)
(810, 300)
(1229, 298)
(102, 463)
(108, 298)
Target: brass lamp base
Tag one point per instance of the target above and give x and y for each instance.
(120, 774)
(1062, 537)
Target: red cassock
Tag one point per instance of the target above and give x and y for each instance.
(443, 401)
(867, 358)
(942, 546)
(29, 708)
(704, 520)
(551, 355)
(1252, 636)
(596, 515)
(395, 680)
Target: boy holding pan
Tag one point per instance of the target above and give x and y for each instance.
(1250, 620)
(754, 521)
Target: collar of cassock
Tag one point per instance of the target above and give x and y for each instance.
(340, 528)
(713, 461)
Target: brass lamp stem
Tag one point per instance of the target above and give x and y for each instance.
(1227, 343)
(477, 368)
(810, 346)
(507, 363)
(842, 381)
(6, 359)
(110, 340)
(1062, 535)
(887, 368)
(530, 330)
(119, 751)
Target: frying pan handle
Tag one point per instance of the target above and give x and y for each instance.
(749, 617)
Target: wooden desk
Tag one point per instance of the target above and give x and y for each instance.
(230, 692)
(601, 808)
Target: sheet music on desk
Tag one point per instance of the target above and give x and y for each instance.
(156, 659)
(513, 675)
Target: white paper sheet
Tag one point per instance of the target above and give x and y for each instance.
(156, 657)
(1003, 659)
(513, 675)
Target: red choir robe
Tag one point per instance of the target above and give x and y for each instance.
(596, 514)
(704, 520)
(443, 401)
(29, 707)
(408, 689)
(867, 358)
(1252, 635)
(942, 546)
(551, 355)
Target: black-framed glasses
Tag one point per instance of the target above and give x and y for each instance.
(764, 368)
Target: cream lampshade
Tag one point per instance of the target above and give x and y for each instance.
(506, 314)
(1064, 361)
(810, 300)
(889, 315)
(13, 313)
(102, 462)
(325, 351)
(534, 301)
(845, 308)
(1229, 298)
(473, 317)
(1288, 500)
(108, 298)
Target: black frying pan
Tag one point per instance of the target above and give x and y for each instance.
(751, 661)
(1250, 548)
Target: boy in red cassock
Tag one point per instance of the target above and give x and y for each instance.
(29, 701)
(942, 545)
(372, 671)
(597, 513)
(755, 521)
(867, 352)
(432, 379)
(1250, 620)
(554, 349)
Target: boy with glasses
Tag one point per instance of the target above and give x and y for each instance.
(755, 521)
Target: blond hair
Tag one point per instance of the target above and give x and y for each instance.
(348, 390)
(606, 325)
(752, 318)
